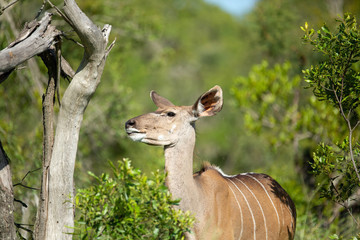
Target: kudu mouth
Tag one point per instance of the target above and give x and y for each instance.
(132, 132)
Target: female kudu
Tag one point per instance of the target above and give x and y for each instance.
(245, 206)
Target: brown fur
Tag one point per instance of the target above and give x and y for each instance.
(255, 206)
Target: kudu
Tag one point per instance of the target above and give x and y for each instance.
(245, 206)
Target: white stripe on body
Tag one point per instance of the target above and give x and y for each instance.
(277, 214)
(282, 212)
(241, 215)
(262, 211)
(252, 215)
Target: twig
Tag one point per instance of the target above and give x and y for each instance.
(24, 224)
(6, 7)
(351, 151)
(20, 225)
(110, 47)
(347, 120)
(353, 217)
(356, 125)
(58, 69)
(61, 13)
(41, 9)
(71, 39)
(21, 202)
(29, 173)
(22, 185)
(22, 180)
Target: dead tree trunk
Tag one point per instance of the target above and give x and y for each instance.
(7, 227)
(51, 60)
(60, 219)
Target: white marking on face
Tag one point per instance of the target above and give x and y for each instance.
(172, 128)
(137, 137)
(161, 137)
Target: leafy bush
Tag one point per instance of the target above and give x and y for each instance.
(336, 80)
(279, 109)
(272, 102)
(129, 205)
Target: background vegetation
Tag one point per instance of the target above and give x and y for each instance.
(270, 123)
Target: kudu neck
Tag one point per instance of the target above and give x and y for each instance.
(179, 167)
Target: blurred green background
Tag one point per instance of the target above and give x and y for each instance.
(181, 48)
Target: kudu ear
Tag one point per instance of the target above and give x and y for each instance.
(160, 101)
(209, 103)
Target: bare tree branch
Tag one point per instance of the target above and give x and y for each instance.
(22, 180)
(66, 70)
(2, 9)
(36, 38)
(34, 30)
(32, 65)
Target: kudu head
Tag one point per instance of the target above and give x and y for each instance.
(170, 123)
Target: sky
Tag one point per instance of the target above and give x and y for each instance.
(235, 7)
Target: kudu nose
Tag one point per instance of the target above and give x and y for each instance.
(130, 123)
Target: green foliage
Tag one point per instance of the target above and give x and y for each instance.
(335, 236)
(336, 80)
(310, 227)
(129, 205)
(272, 102)
(335, 170)
(279, 109)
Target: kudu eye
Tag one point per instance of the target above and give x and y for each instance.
(171, 114)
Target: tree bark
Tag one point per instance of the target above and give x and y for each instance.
(35, 38)
(51, 60)
(7, 226)
(60, 219)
